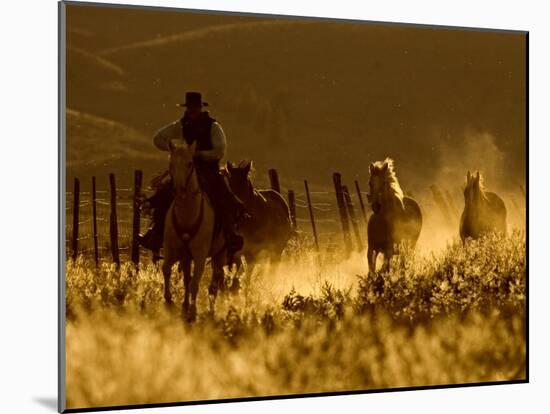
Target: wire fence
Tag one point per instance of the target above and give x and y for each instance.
(106, 223)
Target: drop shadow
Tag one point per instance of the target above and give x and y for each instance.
(48, 402)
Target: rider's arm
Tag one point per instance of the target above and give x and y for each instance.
(157, 181)
(218, 144)
(164, 135)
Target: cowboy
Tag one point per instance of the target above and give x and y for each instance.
(196, 126)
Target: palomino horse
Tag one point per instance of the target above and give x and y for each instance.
(483, 211)
(396, 218)
(189, 233)
(268, 228)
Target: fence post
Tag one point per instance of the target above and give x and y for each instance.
(274, 180)
(354, 223)
(337, 178)
(292, 208)
(76, 219)
(313, 227)
(138, 175)
(440, 201)
(94, 222)
(360, 197)
(113, 225)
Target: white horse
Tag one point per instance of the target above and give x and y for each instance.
(396, 218)
(190, 236)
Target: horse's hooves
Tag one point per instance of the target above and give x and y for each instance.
(184, 310)
(191, 314)
(235, 286)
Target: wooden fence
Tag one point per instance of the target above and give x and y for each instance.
(114, 200)
(334, 218)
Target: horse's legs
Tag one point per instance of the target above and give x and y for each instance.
(250, 265)
(186, 269)
(166, 271)
(371, 259)
(156, 256)
(388, 253)
(217, 278)
(386, 264)
(198, 270)
(239, 265)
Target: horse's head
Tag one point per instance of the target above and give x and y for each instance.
(239, 175)
(181, 164)
(383, 186)
(473, 190)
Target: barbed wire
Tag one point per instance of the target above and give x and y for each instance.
(316, 220)
(326, 214)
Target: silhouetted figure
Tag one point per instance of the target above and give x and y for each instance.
(197, 126)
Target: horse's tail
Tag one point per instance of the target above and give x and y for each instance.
(279, 230)
(277, 205)
(498, 209)
(414, 218)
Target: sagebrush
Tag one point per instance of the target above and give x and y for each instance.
(308, 325)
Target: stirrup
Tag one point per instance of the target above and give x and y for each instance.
(235, 242)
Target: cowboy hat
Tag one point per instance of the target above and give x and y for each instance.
(193, 99)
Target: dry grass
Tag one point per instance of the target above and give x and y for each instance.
(311, 325)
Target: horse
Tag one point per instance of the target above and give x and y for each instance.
(395, 219)
(190, 234)
(269, 227)
(484, 212)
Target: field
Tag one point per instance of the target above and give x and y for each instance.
(315, 323)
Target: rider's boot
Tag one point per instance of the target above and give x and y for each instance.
(152, 239)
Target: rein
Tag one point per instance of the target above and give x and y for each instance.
(189, 179)
(186, 235)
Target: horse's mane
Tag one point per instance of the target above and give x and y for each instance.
(249, 176)
(482, 189)
(390, 178)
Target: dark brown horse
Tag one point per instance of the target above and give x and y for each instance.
(484, 211)
(396, 218)
(268, 229)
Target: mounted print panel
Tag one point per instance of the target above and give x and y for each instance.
(259, 206)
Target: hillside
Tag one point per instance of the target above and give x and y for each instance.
(312, 97)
